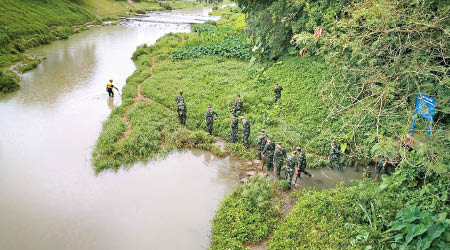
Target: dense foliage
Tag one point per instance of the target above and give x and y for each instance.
(9, 81)
(214, 41)
(382, 54)
(249, 214)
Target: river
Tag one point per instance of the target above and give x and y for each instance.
(50, 197)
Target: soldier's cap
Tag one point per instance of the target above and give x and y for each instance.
(263, 131)
(111, 80)
(278, 143)
(238, 95)
(298, 148)
(294, 152)
(241, 117)
(181, 92)
(209, 106)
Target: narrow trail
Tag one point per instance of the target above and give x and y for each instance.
(219, 142)
(139, 98)
(286, 205)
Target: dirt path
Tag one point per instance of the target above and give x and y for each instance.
(219, 142)
(139, 98)
(287, 203)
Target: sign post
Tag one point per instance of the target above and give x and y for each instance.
(425, 108)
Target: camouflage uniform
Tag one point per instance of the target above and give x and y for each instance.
(302, 164)
(178, 99)
(238, 106)
(210, 120)
(335, 156)
(234, 128)
(278, 93)
(182, 113)
(268, 152)
(261, 144)
(291, 164)
(382, 164)
(279, 156)
(246, 128)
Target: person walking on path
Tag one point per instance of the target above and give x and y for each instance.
(234, 128)
(335, 153)
(210, 119)
(246, 133)
(109, 88)
(181, 109)
(279, 156)
(267, 153)
(277, 91)
(238, 105)
(301, 161)
(291, 164)
(261, 143)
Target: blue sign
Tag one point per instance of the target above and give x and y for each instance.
(425, 108)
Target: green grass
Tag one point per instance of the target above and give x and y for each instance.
(249, 214)
(27, 23)
(217, 80)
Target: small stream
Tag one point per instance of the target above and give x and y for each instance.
(50, 197)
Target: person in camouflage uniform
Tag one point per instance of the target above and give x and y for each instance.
(210, 119)
(301, 161)
(179, 98)
(267, 153)
(261, 143)
(181, 110)
(277, 91)
(246, 133)
(278, 158)
(234, 128)
(291, 164)
(335, 154)
(238, 104)
(382, 164)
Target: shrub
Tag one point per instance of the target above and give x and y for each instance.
(249, 214)
(9, 81)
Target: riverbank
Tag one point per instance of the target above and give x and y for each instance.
(28, 24)
(211, 66)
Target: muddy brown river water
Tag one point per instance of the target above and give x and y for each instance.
(50, 197)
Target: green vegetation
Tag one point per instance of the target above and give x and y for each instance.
(30, 64)
(29, 23)
(249, 214)
(26, 24)
(9, 81)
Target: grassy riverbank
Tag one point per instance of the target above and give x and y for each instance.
(211, 65)
(26, 24)
(212, 68)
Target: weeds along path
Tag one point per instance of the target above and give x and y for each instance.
(287, 203)
(219, 142)
(139, 98)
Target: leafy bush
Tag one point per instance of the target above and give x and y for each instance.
(214, 41)
(9, 81)
(332, 219)
(249, 214)
(420, 229)
(29, 65)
